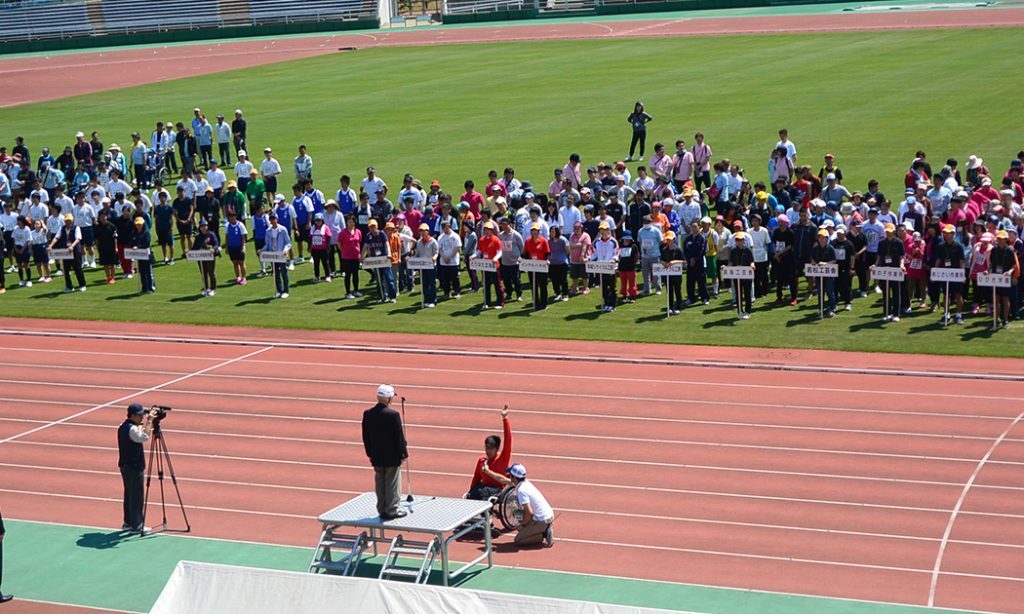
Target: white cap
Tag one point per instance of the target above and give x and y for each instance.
(241, 152)
(195, 110)
(386, 391)
(79, 135)
(267, 150)
(238, 111)
(279, 198)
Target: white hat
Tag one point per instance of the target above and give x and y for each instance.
(279, 198)
(267, 150)
(241, 152)
(238, 111)
(195, 110)
(386, 391)
(79, 135)
(974, 162)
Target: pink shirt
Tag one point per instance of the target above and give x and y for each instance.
(573, 174)
(661, 167)
(413, 218)
(702, 157)
(350, 242)
(319, 238)
(579, 248)
(683, 165)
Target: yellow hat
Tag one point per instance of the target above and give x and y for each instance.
(824, 233)
(489, 225)
(424, 227)
(372, 222)
(890, 227)
(537, 226)
(1002, 234)
(740, 236)
(388, 225)
(68, 217)
(603, 226)
(761, 196)
(232, 184)
(670, 236)
(139, 221)
(948, 228)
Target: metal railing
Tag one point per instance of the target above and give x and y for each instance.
(486, 6)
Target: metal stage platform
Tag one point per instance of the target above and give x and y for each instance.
(354, 527)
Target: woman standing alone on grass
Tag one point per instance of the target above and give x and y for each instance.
(639, 120)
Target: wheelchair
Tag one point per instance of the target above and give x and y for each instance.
(507, 509)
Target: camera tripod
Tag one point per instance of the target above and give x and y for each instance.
(160, 457)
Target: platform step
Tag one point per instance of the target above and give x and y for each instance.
(395, 571)
(339, 543)
(331, 565)
(411, 550)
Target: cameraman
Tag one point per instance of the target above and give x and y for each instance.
(135, 431)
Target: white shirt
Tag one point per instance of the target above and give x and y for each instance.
(8, 221)
(242, 169)
(189, 187)
(759, 241)
(22, 236)
(223, 130)
(114, 187)
(137, 435)
(65, 203)
(450, 248)
(85, 216)
(790, 148)
(53, 224)
(216, 179)
(38, 212)
(371, 186)
(526, 492)
(270, 168)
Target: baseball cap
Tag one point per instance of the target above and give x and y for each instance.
(279, 198)
(603, 226)
(830, 177)
(386, 390)
(671, 236)
(424, 227)
(435, 184)
(517, 470)
(267, 150)
(272, 215)
(136, 409)
(202, 222)
(232, 184)
(890, 227)
(739, 236)
(318, 216)
(822, 233)
(949, 228)
(1002, 234)
(534, 226)
(372, 222)
(67, 216)
(139, 221)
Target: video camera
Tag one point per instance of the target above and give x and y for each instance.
(161, 413)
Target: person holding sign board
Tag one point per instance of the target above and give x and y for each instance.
(278, 240)
(844, 250)
(949, 255)
(606, 250)
(694, 248)
(427, 248)
(742, 255)
(488, 248)
(672, 256)
(69, 243)
(536, 248)
(628, 257)
(1002, 260)
(140, 240)
(890, 255)
(824, 253)
(207, 241)
(449, 248)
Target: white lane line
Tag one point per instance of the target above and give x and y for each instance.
(682, 519)
(560, 414)
(428, 351)
(852, 478)
(604, 485)
(742, 555)
(703, 444)
(132, 395)
(956, 510)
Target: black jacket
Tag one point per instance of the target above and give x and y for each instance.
(383, 438)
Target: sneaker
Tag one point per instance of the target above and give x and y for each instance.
(959, 319)
(586, 290)
(327, 279)
(278, 295)
(499, 306)
(831, 314)
(745, 316)
(676, 312)
(130, 276)
(658, 292)
(82, 289)
(1006, 323)
(244, 282)
(349, 296)
(211, 293)
(170, 262)
(565, 298)
(895, 318)
(549, 537)
(705, 303)
(67, 290)
(430, 305)
(111, 281)
(316, 280)
(392, 300)
(456, 296)
(21, 284)
(486, 306)
(126, 527)
(887, 319)
(849, 307)
(793, 303)
(878, 290)
(47, 280)
(58, 273)
(12, 269)
(291, 266)
(238, 280)
(284, 295)
(358, 294)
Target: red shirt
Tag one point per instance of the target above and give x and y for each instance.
(537, 249)
(489, 247)
(500, 463)
(475, 200)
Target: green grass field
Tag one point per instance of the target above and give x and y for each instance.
(454, 112)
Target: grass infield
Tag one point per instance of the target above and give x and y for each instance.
(454, 112)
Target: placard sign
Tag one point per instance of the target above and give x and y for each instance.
(419, 264)
(274, 257)
(737, 272)
(534, 266)
(821, 270)
(944, 275)
(995, 280)
(375, 262)
(602, 267)
(199, 255)
(483, 264)
(61, 254)
(887, 273)
(660, 270)
(136, 254)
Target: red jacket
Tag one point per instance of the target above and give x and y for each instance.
(500, 463)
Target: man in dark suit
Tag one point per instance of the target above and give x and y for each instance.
(3, 598)
(384, 442)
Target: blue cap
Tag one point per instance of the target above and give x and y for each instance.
(627, 235)
(135, 409)
(517, 470)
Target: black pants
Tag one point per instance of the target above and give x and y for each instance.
(608, 289)
(785, 276)
(76, 265)
(510, 279)
(146, 275)
(892, 296)
(206, 153)
(320, 259)
(140, 176)
(675, 292)
(639, 136)
(701, 179)
(559, 279)
(224, 152)
(208, 271)
(350, 269)
(479, 492)
(761, 287)
(844, 284)
(133, 496)
(746, 288)
(171, 161)
(861, 265)
(696, 280)
(539, 283)
(448, 275)
(493, 280)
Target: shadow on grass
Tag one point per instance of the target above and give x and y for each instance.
(124, 297)
(411, 309)
(978, 330)
(328, 301)
(517, 313)
(188, 298)
(806, 318)
(255, 301)
(586, 315)
(47, 294)
(473, 309)
(722, 322)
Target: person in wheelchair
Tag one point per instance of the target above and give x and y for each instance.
(489, 476)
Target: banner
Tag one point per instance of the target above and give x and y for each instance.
(419, 264)
(887, 273)
(737, 272)
(602, 267)
(483, 264)
(821, 270)
(274, 257)
(375, 262)
(61, 254)
(948, 275)
(534, 266)
(995, 280)
(136, 254)
(659, 270)
(199, 255)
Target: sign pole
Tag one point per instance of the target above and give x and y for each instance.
(736, 295)
(668, 296)
(885, 299)
(995, 310)
(945, 318)
(821, 297)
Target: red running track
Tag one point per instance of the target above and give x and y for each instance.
(844, 485)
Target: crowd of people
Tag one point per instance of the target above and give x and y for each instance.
(683, 207)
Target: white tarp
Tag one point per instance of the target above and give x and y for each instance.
(203, 588)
